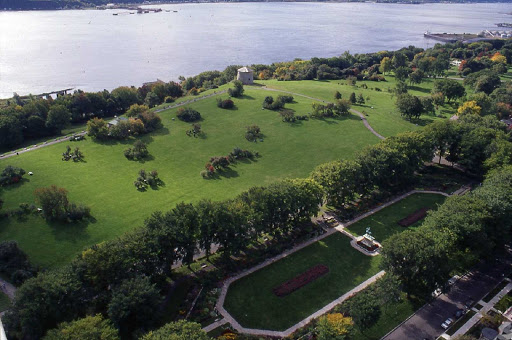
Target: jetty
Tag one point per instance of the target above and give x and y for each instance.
(48, 94)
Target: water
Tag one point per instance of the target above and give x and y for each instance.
(43, 51)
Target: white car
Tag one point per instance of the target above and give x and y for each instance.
(447, 323)
(454, 279)
(436, 292)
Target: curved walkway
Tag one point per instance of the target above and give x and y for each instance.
(365, 121)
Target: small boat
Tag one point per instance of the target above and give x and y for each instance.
(167, 10)
(175, 11)
(114, 13)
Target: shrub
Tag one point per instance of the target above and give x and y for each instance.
(284, 99)
(270, 104)
(225, 104)
(139, 151)
(187, 114)
(11, 174)
(253, 133)
(238, 90)
(169, 99)
(77, 212)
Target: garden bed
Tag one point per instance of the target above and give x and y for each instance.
(416, 216)
(301, 280)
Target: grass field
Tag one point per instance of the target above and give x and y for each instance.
(252, 303)
(384, 223)
(105, 180)
(383, 117)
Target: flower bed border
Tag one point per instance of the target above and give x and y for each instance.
(414, 217)
(301, 280)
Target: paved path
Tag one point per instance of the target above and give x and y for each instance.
(66, 138)
(365, 122)
(214, 325)
(34, 147)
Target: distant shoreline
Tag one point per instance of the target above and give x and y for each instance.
(4, 4)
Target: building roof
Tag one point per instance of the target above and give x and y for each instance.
(489, 333)
(116, 120)
(244, 69)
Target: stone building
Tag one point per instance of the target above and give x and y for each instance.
(245, 75)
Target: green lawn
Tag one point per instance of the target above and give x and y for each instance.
(383, 117)
(392, 315)
(5, 303)
(252, 303)
(105, 180)
(384, 223)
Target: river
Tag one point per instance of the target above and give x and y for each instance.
(93, 50)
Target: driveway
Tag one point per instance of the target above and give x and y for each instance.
(426, 323)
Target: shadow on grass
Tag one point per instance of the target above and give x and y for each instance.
(148, 158)
(419, 89)
(245, 96)
(71, 231)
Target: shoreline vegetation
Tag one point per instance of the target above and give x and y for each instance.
(29, 5)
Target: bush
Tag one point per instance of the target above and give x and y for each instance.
(77, 212)
(187, 114)
(139, 151)
(225, 104)
(270, 104)
(284, 99)
(169, 99)
(253, 133)
(10, 175)
(238, 90)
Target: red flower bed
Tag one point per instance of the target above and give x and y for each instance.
(301, 280)
(414, 217)
(372, 248)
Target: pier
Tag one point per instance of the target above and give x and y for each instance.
(48, 94)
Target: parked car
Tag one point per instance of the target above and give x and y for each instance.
(436, 292)
(453, 279)
(447, 323)
(459, 312)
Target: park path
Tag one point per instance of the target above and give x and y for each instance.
(363, 118)
(82, 133)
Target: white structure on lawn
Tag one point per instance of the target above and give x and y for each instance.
(245, 75)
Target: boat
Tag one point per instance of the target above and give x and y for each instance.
(504, 24)
(114, 13)
(175, 11)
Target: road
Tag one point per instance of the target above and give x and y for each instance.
(426, 323)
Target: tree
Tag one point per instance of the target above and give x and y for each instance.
(469, 108)
(152, 99)
(10, 175)
(400, 87)
(334, 326)
(360, 99)
(385, 65)
(53, 200)
(353, 99)
(179, 330)
(402, 73)
(416, 77)
(14, 262)
(450, 88)
(337, 95)
(136, 110)
(238, 89)
(10, 131)
(124, 97)
(58, 118)
(438, 99)
(139, 151)
(97, 128)
(342, 107)
(364, 310)
(443, 134)
(427, 104)
(133, 304)
(409, 106)
(90, 327)
(399, 60)
(338, 180)
(418, 259)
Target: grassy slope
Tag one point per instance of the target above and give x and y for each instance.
(384, 223)
(384, 117)
(105, 180)
(251, 300)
